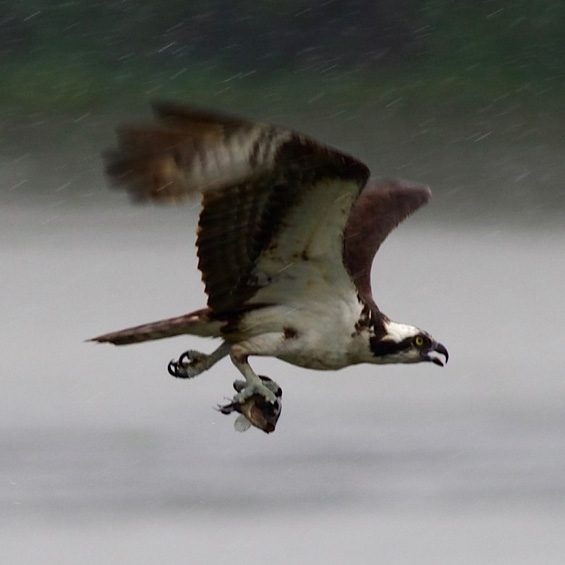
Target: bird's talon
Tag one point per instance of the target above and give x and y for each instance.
(173, 367)
(190, 364)
(254, 403)
(192, 357)
(256, 389)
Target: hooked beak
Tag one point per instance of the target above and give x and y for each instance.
(434, 352)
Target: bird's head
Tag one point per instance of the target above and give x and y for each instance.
(403, 343)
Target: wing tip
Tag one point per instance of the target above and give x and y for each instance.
(406, 193)
(402, 185)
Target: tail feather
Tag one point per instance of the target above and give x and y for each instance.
(195, 323)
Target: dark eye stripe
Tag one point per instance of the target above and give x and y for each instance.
(380, 348)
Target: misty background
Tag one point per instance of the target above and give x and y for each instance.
(105, 458)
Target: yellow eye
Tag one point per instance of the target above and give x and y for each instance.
(419, 340)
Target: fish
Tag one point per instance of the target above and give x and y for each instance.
(256, 410)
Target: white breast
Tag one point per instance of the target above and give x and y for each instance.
(322, 314)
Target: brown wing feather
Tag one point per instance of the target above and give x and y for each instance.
(239, 223)
(251, 175)
(377, 211)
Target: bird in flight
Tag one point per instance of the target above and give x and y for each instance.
(286, 238)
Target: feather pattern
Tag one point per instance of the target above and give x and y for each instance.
(190, 152)
(253, 177)
(273, 200)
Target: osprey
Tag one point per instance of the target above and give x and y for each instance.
(286, 238)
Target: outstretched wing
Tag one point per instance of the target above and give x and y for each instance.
(377, 211)
(272, 198)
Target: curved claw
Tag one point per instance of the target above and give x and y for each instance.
(191, 357)
(175, 369)
(187, 365)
